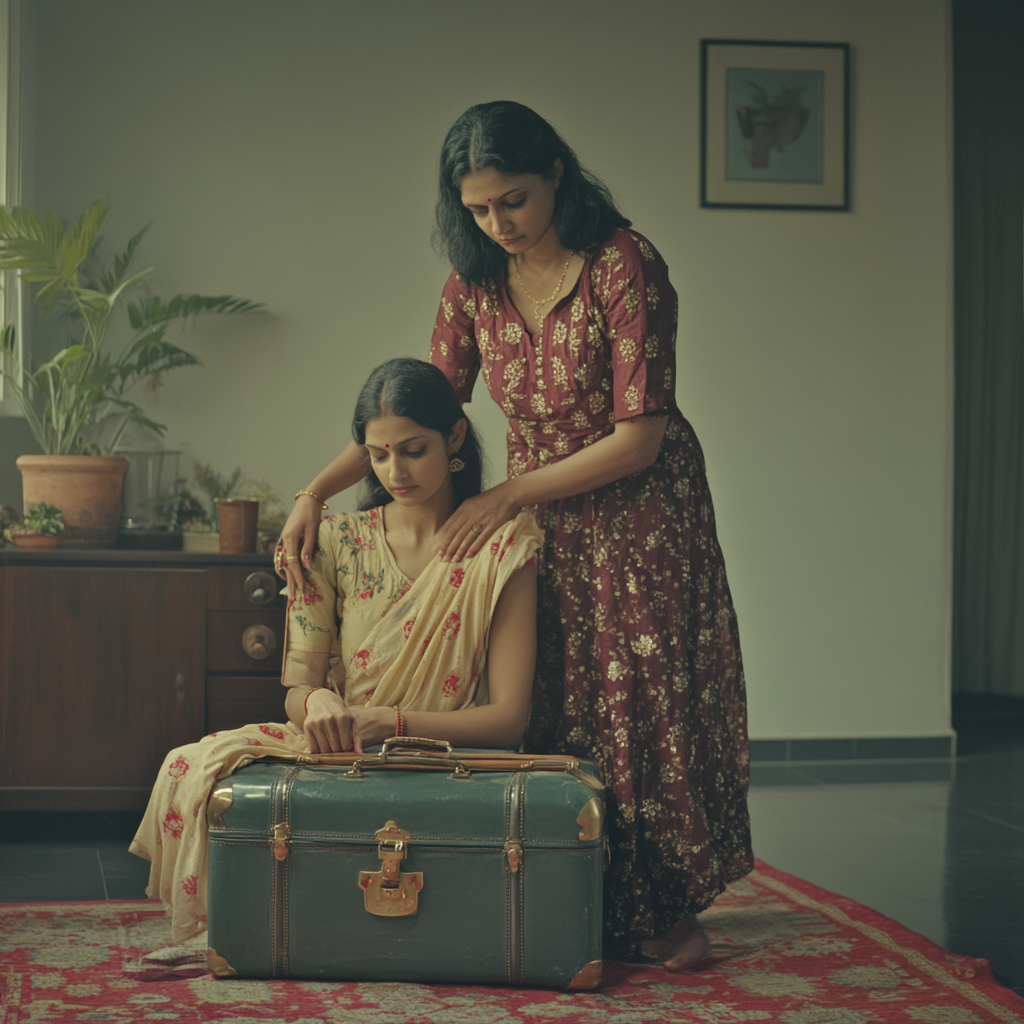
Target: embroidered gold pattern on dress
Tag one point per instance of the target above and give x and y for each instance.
(449, 311)
(651, 346)
(515, 371)
(560, 333)
(631, 300)
(511, 333)
(627, 350)
(469, 306)
(652, 296)
(646, 250)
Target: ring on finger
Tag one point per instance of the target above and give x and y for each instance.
(476, 530)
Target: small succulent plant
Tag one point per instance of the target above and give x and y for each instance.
(44, 519)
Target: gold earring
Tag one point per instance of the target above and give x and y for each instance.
(456, 465)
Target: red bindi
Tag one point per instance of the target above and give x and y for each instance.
(387, 446)
(490, 200)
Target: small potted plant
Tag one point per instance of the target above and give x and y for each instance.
(42, 525)
(203, 534)
(272, 514)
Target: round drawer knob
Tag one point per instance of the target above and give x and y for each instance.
(260, 588)
(259, 642)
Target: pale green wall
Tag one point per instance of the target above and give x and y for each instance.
(285, 152)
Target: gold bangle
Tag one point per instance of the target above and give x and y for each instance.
(311, 494)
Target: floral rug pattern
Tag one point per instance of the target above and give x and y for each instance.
(781, 950)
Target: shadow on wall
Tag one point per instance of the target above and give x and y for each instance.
(15, 439)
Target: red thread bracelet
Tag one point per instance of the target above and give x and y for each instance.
(399, 722)
(305, 703)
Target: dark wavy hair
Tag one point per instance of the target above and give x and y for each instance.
(513, 139)
(420, 391)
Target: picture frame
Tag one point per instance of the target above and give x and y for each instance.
(775, 125)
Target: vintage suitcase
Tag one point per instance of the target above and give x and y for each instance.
(409, 865)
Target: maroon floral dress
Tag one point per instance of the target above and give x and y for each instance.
(639, 660)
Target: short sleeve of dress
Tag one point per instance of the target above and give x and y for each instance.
(312, 617)
(453, 346)
(631, 281)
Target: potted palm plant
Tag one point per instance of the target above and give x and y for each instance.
(78, 403)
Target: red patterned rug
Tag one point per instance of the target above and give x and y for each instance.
(782, 950)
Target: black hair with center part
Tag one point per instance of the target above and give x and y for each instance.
(420, 392)
(513, 139)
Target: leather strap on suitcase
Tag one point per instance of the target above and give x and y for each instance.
(417, 753)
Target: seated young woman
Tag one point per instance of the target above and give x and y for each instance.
(388, 639)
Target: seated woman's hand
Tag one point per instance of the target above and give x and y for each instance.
(330, 726)
(375, 725)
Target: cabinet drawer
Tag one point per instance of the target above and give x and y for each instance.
(234, 588)
(229, 635)
(234, 701)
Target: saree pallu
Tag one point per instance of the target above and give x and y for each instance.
(426, 652)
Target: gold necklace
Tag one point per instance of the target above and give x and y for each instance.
(537, 303)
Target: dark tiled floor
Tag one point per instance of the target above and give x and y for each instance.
(72, 856)
(939, 846)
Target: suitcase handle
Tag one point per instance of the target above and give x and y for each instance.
(419, 742)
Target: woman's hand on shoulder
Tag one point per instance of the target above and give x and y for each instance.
(299, 539)
(330, 726)
(472, 524)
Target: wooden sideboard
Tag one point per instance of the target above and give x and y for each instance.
(110, 658)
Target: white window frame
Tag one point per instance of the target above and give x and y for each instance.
(10, 175)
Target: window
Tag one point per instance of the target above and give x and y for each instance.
(10, 168)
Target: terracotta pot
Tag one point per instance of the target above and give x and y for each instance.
(238, 518)
(35, 541)
(87, 490)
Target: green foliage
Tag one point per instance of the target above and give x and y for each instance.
(272, 511)
(214, 486)
(69, 400)
(8, 518)
(180, 506)
(43, 518)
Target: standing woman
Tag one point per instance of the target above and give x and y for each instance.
(571, 319)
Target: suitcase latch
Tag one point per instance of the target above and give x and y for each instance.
(391, 892)
(513, 854)
(279, 844)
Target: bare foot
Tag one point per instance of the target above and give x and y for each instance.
(680, 949)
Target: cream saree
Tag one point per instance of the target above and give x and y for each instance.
(387, 640)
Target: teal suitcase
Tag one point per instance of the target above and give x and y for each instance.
(480, 868)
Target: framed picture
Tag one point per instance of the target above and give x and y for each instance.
(775, 125)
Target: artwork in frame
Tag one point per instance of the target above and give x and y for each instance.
(775, 125)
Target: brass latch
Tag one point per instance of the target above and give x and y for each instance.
(391, 892)
(513, 855)
(279, 844)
